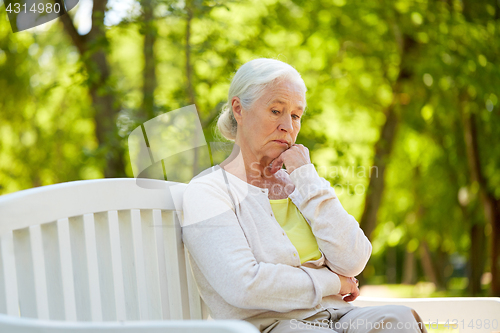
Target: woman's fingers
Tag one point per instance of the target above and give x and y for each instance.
(349, 288)
(293, 158)
(352, 296)
(276, 164)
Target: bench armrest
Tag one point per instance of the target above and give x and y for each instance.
(28, 325)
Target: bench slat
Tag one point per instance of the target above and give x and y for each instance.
(53, 274)
(158, 229)
(25, 274)
(177, 306)
(116, 262)
(128, 265)
(3, 297)
(9, 274)
(104, 262)
(139, 264)
(152, 276)
(92, 267)
(193, 294)
(183, 272)
(68, 286)
(37, 253)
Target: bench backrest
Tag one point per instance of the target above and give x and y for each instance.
(96, 250)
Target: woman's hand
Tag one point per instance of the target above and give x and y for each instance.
(293, 158)
(349, 287)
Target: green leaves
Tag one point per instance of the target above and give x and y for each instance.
(426, 60)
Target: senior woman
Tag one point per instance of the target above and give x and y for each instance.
(274, 246)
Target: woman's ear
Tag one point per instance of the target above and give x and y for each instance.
(237, 109)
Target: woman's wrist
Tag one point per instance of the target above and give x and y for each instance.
(300, 167)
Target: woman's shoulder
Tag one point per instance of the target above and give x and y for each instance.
(206, 195)
(213, 180)
(210, 177)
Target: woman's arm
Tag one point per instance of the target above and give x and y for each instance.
(338, 234)
(215, 240)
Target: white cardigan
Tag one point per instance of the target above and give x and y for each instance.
(243, 262)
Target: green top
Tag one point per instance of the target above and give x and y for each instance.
(297, 229)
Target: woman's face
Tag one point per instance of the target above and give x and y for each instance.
(273, 122)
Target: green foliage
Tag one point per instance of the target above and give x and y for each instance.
(350, 54)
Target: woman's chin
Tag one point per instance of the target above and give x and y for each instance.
(275, 152)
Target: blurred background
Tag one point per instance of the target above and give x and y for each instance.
(403, 113)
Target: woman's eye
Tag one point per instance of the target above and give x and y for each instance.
(295, 116)
(275, 111)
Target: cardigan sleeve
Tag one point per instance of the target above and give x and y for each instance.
(345, 246)
(217, 243)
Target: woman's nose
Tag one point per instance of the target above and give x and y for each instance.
(286, 124)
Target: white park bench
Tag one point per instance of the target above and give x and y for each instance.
(107, 256)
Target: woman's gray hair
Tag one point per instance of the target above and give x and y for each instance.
(249, 83)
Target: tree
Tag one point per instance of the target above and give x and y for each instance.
(93, 49)
(149, 72)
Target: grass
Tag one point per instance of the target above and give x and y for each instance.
(456, 287)
(441, 329)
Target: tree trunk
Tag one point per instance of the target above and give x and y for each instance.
(491, 205)
(495, 249)
(391, 267)
(477, 256)
(427, 265)
(149, 73)
(477, 250)
(495, 252)
(189, 81)
(383, 147)
(409, 268)
(189, 69)
(375, 188)
(439, 266)
(93, 52)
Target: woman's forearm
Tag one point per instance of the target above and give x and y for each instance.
(338, 234)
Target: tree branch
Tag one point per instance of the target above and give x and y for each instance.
(98, 11)
(78, 40)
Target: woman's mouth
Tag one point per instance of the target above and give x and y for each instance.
(283, 143)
